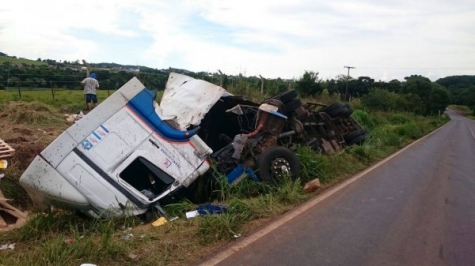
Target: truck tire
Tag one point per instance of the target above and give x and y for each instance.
(350, 137)
(288, 96)
(335, 109)
(292, 105)
(358, 140)
(348, 110)
(277, 162)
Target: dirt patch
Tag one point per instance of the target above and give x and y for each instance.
(28, 137)
(25, 152)
(23, 131)
(16, 140)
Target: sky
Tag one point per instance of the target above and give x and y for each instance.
(385, 40)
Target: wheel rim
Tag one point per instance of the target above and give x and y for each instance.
(280, 168)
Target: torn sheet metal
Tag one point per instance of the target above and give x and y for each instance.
(187, 100)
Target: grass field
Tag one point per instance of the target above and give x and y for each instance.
(63, 238)
(20, 61)
(64, 100)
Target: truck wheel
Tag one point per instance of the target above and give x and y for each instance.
(288, 96)
(335, 109)
(348, 110)
(353, 135)
(358, 140)
(278, 162)
(292, 105)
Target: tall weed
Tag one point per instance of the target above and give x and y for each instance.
(311, 163)
(364, 119)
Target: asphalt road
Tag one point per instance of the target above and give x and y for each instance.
(416, 209)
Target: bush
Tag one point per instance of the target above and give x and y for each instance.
(409, 130)
(399, 119)
(363, 119)
(386, 136)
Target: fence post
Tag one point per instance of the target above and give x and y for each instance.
(52, 90)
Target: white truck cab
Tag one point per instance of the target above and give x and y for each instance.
(122, 157)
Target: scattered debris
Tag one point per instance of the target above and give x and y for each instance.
(128, 236)
(312, 186)
(74, 117)
(42, 131)
(10, 217)
(7, 246)
(211, 209)
(132, 256)
(160, 221)
(3, 166)
(6, 150)
(69, 240)
(206, 209)
(192, 214)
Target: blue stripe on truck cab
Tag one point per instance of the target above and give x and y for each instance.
(142, 105)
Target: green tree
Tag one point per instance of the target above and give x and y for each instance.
(439, 99)
(14, 82)
(434, 97)
(308, 84)
(419, 85)
(28, 83)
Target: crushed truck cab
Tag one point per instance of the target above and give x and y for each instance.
(119, 159)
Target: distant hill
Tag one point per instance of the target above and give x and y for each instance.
(457, 82)
(14, 60)
(76, 64)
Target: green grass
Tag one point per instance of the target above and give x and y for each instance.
(68, 239)
(461, 108)
(66, 100)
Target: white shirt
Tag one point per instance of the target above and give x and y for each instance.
(90, 85)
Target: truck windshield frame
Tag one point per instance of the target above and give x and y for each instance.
(146, 178)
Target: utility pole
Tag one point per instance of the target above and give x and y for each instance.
(8, 77)
(262, 84)
(347, 78)
(220, 78)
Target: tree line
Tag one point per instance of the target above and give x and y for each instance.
(416, 93)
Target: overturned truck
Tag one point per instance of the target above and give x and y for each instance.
(129, 155)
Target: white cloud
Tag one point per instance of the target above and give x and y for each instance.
(384, 40)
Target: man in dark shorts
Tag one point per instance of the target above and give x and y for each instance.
(90, 85)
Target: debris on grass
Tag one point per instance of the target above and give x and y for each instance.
(159, 222)
(211, 209)
(7, 246)
(312, 186)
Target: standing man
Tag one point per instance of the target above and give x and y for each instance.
(90, 85)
